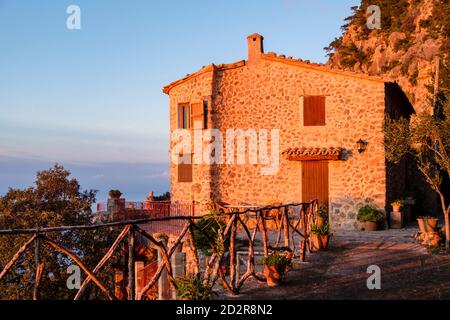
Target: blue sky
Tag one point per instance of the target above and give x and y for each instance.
(91, 99)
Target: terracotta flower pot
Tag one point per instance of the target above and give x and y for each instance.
(430, 224)
(421, 223)
(316, 242)
(325, 239)
(273, 277)
(320, 221)
(370, 226)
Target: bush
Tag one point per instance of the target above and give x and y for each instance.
(322, 213)
(323, 230)
(114, 193)
(208, 239)
(369, 213)
(191, 287)
(281, 262)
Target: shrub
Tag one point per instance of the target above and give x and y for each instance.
(369, 213)
(209, 239)
(323, 230)
(114, 193)
(191, 287)
(281, 262)
(322, 213)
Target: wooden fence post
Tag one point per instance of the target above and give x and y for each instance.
(131, 272)
(178, 268)
(139, 276)
(37, 261)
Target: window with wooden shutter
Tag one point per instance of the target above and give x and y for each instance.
(197, 114)
(205, 114)
(314, 111)
(185, 172)
(184, 116)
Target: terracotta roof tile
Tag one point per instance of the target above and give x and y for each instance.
(311, 153)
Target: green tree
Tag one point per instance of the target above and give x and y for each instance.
(426, 138)
(55, 200)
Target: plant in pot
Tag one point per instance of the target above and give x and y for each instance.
(396, 217)
(321, 236)
(115, 194)
(193, 287)
(370, 217)
(322, 217)
(421, 222)
(396, 205)
(431, 223)
(427, 224)
(275, 267)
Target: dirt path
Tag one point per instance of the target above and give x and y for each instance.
(408, 271)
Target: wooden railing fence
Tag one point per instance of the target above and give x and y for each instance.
(294, 220)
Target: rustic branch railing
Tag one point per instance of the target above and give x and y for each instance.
(291, 224)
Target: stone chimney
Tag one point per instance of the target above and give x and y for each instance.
(255, 48)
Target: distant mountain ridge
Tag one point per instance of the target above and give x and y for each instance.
(413, 33)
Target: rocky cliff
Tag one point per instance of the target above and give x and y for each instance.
(413, 34)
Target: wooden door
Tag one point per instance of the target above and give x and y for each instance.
(315, 181)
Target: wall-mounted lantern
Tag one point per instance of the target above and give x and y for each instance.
(362, 145)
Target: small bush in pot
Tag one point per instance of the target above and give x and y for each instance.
(275, 266)
(207, 235)
(322, 217)
(320, 236)
(370, 217)
(115, 194)
(396, 205)
(192, 287)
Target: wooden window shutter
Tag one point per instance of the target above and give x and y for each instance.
(314, 111)
(183, 116)
(197, 114)
(205, 114)
(185, 172)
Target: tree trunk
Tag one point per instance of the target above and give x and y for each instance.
(447, 229)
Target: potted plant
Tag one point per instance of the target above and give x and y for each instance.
(322, 217)
(430, 223)
(427, 224)
(396, 205)
(396, 217)
(370, 217)
(275, 266)
(421, 222)
(320, 236)
(193, 287)
(115, 194)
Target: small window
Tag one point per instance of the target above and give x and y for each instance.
(205, 114)
(185, 172)
(183, 116)
(314, 111)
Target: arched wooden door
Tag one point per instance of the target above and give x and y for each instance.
(315, 182)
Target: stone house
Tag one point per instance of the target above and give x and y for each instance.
(329, 142)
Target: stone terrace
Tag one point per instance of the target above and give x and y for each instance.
(408, 271)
